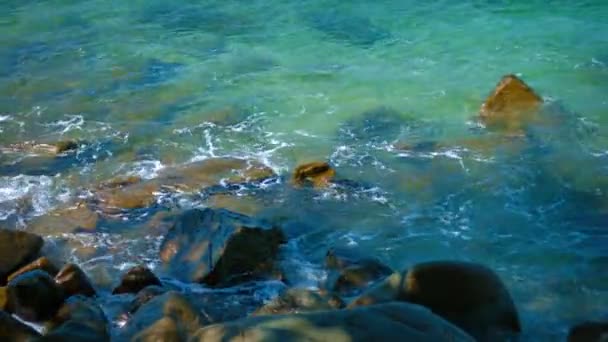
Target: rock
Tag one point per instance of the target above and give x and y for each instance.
(589, 332)
(77, 219)
(34, 296)
(74, 281)
(246, 205)
(119, 182)
(3, 298)
(511, 106)
(17, 248)
(168, 317)
(134, 196)
(42, 263)
(144, 296)
(14, 331)
(136, 279)
(42, 149)
(384, 322)
(469, 295)
(350, 274)
(79, 319)
(317, 173)
(300, 300)
(219, 247)
(347, 28)
(65, 146)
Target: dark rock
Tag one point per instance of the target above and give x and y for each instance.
(351, 274)
(136, 279)
(3, 298)
(34, 296)
(384, 322)
(300, 300)
(469, 295)
(347, 28)
(74, 281)
(144, 296)
(589, 332)
(42, 263)
(17, 248)
(79, 319)
(317, 173)
(219, 247)
(168, 317)
(377, 124)
(511, 106)
(11, 330)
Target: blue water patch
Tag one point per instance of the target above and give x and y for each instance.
(347, 28)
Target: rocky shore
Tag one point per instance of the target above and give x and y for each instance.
(224, 246)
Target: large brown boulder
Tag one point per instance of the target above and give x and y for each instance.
(14, 331)
(135, 280)
(319, 174)
(469, 295)
(74, 281)
(589, 332)
(300, 300)
(17, 248)
(34, 296)
(511, 106)
(384, 322)
(79, 319)
(219, 247)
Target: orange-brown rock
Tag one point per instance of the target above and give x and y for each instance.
(511, 106)
(17, 248)
(65, 220)
(42, 149)
(139, 195)
(74, 281)
(119, 182)
(3, 298)
(42, 263)
(318, 174)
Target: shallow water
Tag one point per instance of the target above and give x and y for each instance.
(148, 84)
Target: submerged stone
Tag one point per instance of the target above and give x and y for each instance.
(77, 219)
(319, 174)
(34, 296)
(347, 28)
(136, 279)
(17, 248)
(511, 106)
(300, 300)
(219, 247)
(351, 274)
(384, 322)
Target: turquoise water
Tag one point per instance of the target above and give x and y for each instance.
(149, 84)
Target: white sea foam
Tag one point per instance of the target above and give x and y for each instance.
(73, 122)
(39, 190)
(146, 169)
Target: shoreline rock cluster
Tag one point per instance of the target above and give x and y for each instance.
(362, 299)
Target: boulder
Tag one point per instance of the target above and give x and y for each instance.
(219, 247)
(136, 279)
(34, 296)
(42, 149)
(300, 300)
(384, 322)
(319, 174)
(14, 331)
(350, 275)
(511, 106)
(589, 332)
(74, 281)
(17, 248)
(79, 319)
(42, 263)
(134, 196)
(144, 296)
(168, 317)
(78, 219)
(469, 295)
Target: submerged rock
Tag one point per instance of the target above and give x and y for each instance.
(319, 174)
(589, 332)
(34, 296)
(42, 149)
(74, 281)
(347, 28)
(168, 317)
(143, 296)
(350, 274)
(135, 280)
(78, 219)
(384, 322)
(14, 331)
(17, 248)
(42, 263)
(219, 247)
(511, 106)
(469, 295)
(300, 300)
(79, 319)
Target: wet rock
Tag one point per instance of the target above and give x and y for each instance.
(589, 332)
(42, 149)
(144, 296)
(14, 331)
(134, 196)
(119, 182)
(347, 28)
(3, 298)
(79, 319)
(42, 263)
(319, 174)
(17, 248)
(469, 295)
(168, 317)
(219, 247)
(300, 300)
(246, 205)
(136, 279)
(384, 322)
(79, 219)
(511, 106)
(377, 124)
(34, 296)
(74, 281)
(351, 274)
